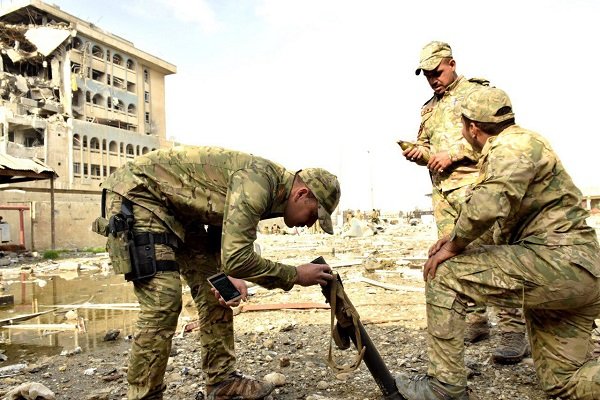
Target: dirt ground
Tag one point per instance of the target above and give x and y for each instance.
(295, 343)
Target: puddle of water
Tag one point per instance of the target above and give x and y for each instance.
(45, 291)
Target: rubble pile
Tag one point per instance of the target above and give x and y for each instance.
(288, 346)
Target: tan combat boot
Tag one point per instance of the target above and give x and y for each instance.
(513, 347)
(478, 328)
(239, 387)
(424, 387)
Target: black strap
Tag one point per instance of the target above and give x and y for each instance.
(127, 211)
(103, 203)
(157, 238)
(166, 265)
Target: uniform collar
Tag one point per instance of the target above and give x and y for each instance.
(452, 86)
(492, 139)
(283, 193)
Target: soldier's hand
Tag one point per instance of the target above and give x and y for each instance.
(240, 285)
(437, 245)
(312, 274)
(448, 250)
(413, 154)
(438, 162)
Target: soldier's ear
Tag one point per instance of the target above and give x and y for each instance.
(298, 193)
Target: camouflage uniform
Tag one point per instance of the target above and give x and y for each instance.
(548, 266)
(182, 191)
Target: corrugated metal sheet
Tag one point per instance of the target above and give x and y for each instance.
(24, 164)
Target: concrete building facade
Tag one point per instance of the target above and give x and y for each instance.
(81, 100)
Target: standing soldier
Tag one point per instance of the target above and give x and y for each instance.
(453, 169)
(193, 211)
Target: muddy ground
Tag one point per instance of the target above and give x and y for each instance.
(294, 343)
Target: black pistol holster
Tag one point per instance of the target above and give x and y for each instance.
(135, 254)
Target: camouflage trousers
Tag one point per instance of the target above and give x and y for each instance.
(446, 207)
(160, 299)
(560, 299)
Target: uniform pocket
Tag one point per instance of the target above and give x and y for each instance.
(119, 251)
(100, 226)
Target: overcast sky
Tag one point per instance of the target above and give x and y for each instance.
(331, 83)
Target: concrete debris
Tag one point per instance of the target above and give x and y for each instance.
(30, 391)
(11, 370)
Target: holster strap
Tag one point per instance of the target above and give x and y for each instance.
(165, 238)
(166, 265)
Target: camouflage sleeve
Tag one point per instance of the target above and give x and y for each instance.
(424, 138)
(248, 197)
(497, 195)
(462, 150)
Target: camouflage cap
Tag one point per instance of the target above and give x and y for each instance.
(432, 55)
(326, 189)
(485, 103)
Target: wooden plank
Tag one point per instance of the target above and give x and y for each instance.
(48, 327)
(245, 307)
(389, 286)
(24, 317)
(116, 306)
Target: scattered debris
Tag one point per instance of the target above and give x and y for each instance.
(30, 391)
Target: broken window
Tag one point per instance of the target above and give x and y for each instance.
(76, 140)
(84, 142)
(147, 117)
(130, 64)
(118, 82)
(98, 99)
(146, 75)
(77, 43)
(130, 87)
(131, 109)
(118, 105)
(77, 98)
(130, 150)
(95, 170)
(117, 59)
(97, 52)
(97, 75)
(88, 97)
(112, 147)
(34, 139)
(144, 150)
(94, 144)
(75, 67)
(147, 97)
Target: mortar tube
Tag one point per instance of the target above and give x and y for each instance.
(372, 358)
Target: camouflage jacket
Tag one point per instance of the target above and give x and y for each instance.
(441, 130)
(207, 185)
(524, 193)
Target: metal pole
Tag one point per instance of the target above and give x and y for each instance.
(52, 227)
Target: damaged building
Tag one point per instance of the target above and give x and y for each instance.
(80, 100)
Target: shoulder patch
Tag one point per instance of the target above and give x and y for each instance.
(481, 81)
